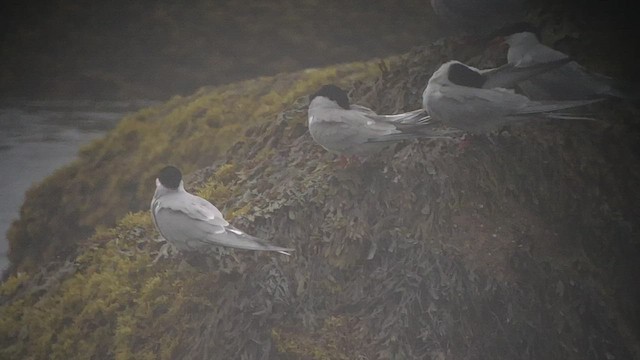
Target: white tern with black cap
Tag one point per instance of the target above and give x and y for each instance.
(347, 129)
(478, 101)
(191, 223)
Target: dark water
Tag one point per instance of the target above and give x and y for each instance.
(36, 138)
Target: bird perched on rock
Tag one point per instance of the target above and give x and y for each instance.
(478, 17)
(568, 82)
(478, 101)
(191, 223)
(347, 129)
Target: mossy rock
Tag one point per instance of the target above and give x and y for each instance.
(519, 246)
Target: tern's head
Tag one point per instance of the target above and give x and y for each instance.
(463, 75)
(333, 93)
(170, 177)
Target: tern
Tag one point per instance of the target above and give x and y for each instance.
(191, 223)
(478, 101)
(354, 130)
(568, 82)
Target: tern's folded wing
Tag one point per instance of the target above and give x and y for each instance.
(184, 231)
(192, 206)
(188, 233)
(547, 106)
(508, 76)
(479, 103)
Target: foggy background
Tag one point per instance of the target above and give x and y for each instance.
(156, 49)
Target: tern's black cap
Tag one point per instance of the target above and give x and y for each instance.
(334, 93)
(170, 177)
(462, 75)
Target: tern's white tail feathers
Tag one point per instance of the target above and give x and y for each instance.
(415, 117)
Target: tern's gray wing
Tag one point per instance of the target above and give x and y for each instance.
(473, 109)
(187, 233)
(183, 231)
(406, 126)
(362, 109)
(478, 15)
(415, 117)
(419, 116)
(199, 208)
(360, 131)
(193, 206)
(536, 107)
(482, 110)
(182, 218)
(345, 131)
(508, 75)
(570, 82)
(502, 102)
(192, 223)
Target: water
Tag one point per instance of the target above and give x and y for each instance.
(36, 138)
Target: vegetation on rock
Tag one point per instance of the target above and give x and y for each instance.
(524, 246)
(189, 131)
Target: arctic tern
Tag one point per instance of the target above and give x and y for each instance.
(568, 82)
(347, 129)
(479, 101)
(191, 223)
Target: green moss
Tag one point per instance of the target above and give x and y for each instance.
(216, 188)
(331, 342)
(12, 284)
(242, 211)
(116, 299)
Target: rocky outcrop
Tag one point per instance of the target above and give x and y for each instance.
(521, 246)
(112, 175)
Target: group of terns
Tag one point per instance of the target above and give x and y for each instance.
(466, 99)
(461, 97)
